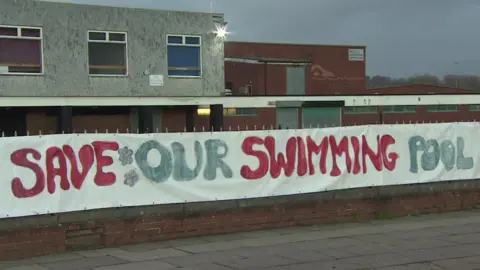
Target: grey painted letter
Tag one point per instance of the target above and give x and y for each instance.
(447, 154)
(431, 155)
(463, 163)
(181, 171)
(214, 160)
(157, 174)
(415, 144)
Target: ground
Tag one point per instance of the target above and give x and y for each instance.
(442, 241)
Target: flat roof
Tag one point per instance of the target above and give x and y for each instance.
(126, 7)
(241, 101)
(293, 44)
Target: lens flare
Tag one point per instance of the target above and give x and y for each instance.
(221, 32)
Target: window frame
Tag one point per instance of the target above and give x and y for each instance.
(19, 36)
(471, 108)
(183, 44)
(405, 111)
(357, 113)
(430, 108)
(241, 114)
(108, 41)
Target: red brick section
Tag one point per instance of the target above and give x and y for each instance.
(21, 243)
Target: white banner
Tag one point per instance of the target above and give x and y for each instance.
(62, 173)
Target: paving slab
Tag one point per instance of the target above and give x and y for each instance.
(84, 263)
(149, 255)
(433, 242)
(145, 265)
(257, 262)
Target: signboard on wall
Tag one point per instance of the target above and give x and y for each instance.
(155, 80)
(61, 173)
(356, 55)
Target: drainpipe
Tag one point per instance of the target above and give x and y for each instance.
(265, 75)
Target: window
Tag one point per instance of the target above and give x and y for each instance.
(21, 50)
(107, 53)
(239, 112)
(399, 109)
(474, 107)
(442, 108)
(184, 56)
(205, 111)
(360, 110)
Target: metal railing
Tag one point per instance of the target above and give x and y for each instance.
(207, 129)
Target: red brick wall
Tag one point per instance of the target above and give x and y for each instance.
(421, 116)
(38, 120)
(174, 119)
(346, 77)
(99, 228)
(102, 123)
(416, 89)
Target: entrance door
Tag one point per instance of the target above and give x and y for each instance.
(296, 81)
(321, 117)
(287, 118)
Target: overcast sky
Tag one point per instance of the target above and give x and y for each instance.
(403, 37)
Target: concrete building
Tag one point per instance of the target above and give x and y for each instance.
(75, 68)
(50, 49)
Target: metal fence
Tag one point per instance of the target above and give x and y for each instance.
(209, 129)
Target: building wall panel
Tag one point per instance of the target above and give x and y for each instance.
(65, 50)
(330, 71)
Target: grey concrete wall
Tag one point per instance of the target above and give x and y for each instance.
(66, 50)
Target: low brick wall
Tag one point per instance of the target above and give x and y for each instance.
(46, 234)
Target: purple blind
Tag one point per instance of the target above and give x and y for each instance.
(20, 51)
(8, 31)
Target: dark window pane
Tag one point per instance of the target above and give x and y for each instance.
(29, 32)
(107, 58)
(97, 36)
(8, 31)
(175, 39)
(192, 40)
(184, 72)
(116, 37)
(246, 111)
(21, 55)
(183, 59)
(100, 111)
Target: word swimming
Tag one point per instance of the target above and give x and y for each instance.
(299, 152)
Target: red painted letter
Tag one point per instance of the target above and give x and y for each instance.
(247, 147)
(339, 150)
(52, 154)
(277, 163)
(85, 155)
(301, 157)
(19, 158)
(102, 178)
(389, 160)
(322, 149)
(375, 158)
(356, 151)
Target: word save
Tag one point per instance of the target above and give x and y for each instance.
(86, 156)
(299, 152)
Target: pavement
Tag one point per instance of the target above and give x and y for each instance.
(430, 242)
